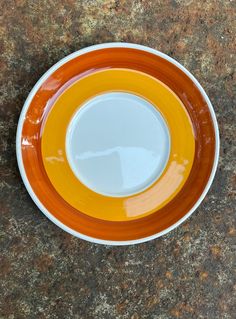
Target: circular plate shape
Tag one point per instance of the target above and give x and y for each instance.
(146, 213)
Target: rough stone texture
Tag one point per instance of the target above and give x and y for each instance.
(46, 273)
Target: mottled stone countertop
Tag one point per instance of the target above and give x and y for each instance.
(45, 272)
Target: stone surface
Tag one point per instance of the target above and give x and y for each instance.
(46, 273)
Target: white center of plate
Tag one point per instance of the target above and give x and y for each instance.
(117, 144)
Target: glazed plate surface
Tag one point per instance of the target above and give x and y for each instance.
(117, 144)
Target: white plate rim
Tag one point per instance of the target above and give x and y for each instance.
(22, 118)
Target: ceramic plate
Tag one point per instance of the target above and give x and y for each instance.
(117, 144)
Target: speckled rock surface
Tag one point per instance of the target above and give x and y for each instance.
(46, 273)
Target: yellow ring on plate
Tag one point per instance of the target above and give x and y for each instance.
(118, 208)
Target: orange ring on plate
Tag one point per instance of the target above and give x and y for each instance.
(123, 208)
(118, 56)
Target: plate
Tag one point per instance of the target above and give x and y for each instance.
(117, 144)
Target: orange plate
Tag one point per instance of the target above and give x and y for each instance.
(54, 83)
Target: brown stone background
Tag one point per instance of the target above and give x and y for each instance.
(46, 273)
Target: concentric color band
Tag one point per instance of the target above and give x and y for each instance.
(124, 208)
